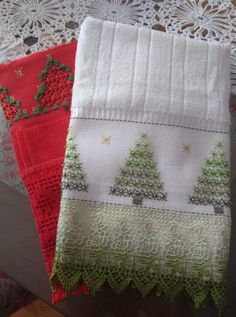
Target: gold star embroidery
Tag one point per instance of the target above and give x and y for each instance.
(19, 72)
(106, 140)
(49, 56)
(186, 148)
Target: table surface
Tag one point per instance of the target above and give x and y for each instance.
(22, 260)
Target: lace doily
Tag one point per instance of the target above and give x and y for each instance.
(34, 25)
(31, 25)
(41, 24)
(206, 20)
(10, 47)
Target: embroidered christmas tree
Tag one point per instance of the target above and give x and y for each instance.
(73, 176)
(213, 187)
(138, 177)
(56, 87)
(11, 107)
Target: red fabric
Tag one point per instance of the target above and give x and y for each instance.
(39, 138)
(233, 108)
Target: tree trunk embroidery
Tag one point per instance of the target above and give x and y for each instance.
(213, 187)
(139, 177)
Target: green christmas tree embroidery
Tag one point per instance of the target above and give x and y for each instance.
(139, 178)
(213, 187)
(55, 90)
(73, 176)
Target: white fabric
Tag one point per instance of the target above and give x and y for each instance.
(131, 76)
(142, 75)
(178, 170)
(135, 84)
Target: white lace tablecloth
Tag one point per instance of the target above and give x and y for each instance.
(28, 26)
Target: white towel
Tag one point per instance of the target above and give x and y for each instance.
(146, 175)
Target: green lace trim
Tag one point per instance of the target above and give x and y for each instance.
(145, 248)
(144, 276)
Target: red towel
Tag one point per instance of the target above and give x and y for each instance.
(35, 93)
